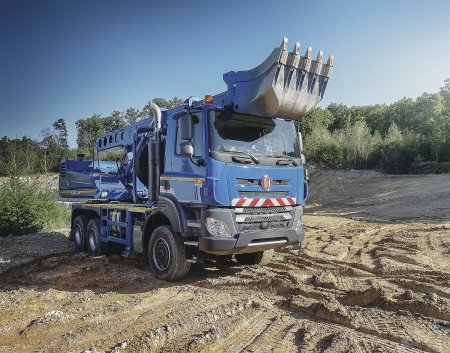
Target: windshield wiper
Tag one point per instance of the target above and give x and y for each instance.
(254, 159)
(287, 157)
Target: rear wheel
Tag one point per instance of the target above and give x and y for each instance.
(255, 258)
(94, 244)
(167, 255)
(79, 232)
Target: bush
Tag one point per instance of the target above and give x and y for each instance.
(430, 168)
(27, 206)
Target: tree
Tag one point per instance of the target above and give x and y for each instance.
(88, 130)
(318, 117)
(114, 121)
(162, 103)
(61, 133)
(445, 93)
(132, 115)
(358, 139)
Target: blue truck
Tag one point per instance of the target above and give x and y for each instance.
(219, 176)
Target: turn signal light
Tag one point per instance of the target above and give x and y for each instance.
(208, 100)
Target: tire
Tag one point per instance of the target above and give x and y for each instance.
(93, 241)
(79, 232)
(255, 258)
(167, 255)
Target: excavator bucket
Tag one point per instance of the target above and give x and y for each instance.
(286, 84)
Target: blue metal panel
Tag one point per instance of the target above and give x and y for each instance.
(235, 171)
(302, 185)
(116, 240)
(216, 187)
(184, 178)
(129, 231)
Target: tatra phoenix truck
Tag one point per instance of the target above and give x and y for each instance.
(222, 176)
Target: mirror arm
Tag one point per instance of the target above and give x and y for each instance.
(199, 162)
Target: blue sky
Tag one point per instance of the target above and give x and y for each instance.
(72, 59)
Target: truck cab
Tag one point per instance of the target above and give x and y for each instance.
(245, 171)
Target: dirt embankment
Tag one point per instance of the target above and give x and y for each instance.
(375, 196)
(372, 276)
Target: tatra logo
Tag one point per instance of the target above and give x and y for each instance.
(266, 182)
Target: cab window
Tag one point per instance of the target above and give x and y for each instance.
(197, 139)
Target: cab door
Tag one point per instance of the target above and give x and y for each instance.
(186, 178)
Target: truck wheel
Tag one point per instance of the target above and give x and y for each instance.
(79, 232)
(94, 244)
(255, 258)
(167, 255)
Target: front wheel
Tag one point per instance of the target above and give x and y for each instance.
(167, 255)
(255, 258)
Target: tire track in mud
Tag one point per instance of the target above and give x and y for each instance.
(378, 295)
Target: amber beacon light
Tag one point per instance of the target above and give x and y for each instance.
(209, 99)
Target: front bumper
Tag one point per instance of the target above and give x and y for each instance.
(250, 242)
(243, 242)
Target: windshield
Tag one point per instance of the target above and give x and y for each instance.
(271, 137)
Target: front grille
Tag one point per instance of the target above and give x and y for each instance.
(256, 210)
(266, 218)
(263, 194)
(251, 227)
(243, 181)
(253, 219)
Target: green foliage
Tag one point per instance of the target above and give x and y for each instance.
(318, 118)
(89, 129)
(432, 167)
(393, 137)
(26, 206)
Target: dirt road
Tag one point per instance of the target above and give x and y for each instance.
(372, 276)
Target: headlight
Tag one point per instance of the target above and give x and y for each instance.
(217, 228)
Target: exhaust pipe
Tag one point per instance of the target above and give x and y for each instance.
(155, 157)
(157, 112)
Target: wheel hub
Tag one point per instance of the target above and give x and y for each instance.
(161, 254)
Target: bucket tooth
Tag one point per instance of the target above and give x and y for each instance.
(305, 62)
(328, 68)
(318, 63)
(284, 44)
(308, 53)
(330, 60)
(319, 56)
(294, 57)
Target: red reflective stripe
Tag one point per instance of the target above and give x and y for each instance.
(240, 202)
(280, 201)
(291, 201)
(253, 203)
(267, 202)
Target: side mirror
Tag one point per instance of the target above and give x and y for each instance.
(300, 141)
(185, 127)
(186, 148)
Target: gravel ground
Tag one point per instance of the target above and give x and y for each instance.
(373, 275)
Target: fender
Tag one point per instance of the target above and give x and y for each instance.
(169, 207)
